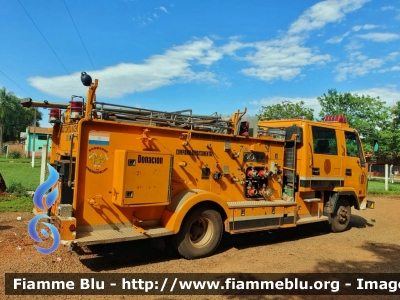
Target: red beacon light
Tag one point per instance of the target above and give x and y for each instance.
(76, 108)
(336, 119)
(55, 115)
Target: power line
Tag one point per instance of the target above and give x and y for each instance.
(15, 83)
(48, 43)
(87, 53)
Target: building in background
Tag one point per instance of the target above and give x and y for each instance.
(40, 140)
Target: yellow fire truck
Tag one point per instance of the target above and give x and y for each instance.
(129, 173)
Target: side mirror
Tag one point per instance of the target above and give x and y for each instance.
(376, 148)
(362, 162)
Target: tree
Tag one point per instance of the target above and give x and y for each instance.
(389, 137)
(368, 115)
(13, 117)
(286, 110)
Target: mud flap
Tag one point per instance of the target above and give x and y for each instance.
(370, 204)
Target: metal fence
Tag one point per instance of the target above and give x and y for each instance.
(377, 171)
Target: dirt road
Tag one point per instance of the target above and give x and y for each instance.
(372, 245)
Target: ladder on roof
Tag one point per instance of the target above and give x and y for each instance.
(176, 119)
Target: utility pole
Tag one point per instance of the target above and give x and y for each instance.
(34, 138)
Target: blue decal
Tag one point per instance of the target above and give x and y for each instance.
(97, 142)
(44, 187)
(32, 232)
(38, 202)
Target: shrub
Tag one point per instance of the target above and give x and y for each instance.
(15, 154)
(17, 189)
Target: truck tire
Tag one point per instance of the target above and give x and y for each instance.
(200, 233)
(341, 216)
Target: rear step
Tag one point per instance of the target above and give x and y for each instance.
(105, 236)
(314, 219)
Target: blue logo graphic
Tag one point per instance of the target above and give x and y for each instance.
(38, 202)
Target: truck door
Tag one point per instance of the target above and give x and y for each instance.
(354, 164)
(326, 165)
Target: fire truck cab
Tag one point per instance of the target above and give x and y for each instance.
(328, 160)
(127, 173)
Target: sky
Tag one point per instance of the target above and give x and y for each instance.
(208, 56)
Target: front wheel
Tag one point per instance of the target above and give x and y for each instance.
(200, 233)
(341, 216)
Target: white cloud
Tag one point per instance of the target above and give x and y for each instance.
(173, 66)
(211, 56)
(365, 27)
(271, 73)
(370, 26)
(271, 60)
(337, 39)
(353, 45)
(162, 8)
(394, 68)
(318, 15)
(232, 46)
(357, 56)
(393, 55)
(379, 36)
(388, 94)
(285, 52)
(280, 59)
(389, 7)
(360, 65)
(356, 69)
(309, 102)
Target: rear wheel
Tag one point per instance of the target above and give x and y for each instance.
(341, 216)
(200, 233)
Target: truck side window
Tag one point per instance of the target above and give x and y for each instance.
(352, 145)
(324, 140)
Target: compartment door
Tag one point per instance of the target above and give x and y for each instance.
(142, 178)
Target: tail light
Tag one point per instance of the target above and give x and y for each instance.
(76, 108)
(55, 115)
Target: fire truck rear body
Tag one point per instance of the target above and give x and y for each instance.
(130, 174)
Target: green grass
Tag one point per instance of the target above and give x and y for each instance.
(21, 172)
(3, 158)
(19, 176)
(11, 203)
(378, 187)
